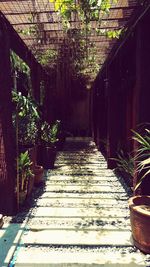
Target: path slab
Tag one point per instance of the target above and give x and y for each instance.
(85, 188)
(38, 223)
(80, 212)
(83, 195)
(79, 257)
(78, 237)
(74, 202)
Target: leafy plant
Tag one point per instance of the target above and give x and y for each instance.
(25, 118)
(143, 155)
(87, 10)
(17, 64)
(49, 134)
(25, 171)
(47, 57)
(125, 162)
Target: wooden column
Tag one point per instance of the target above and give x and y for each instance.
(35, 79)
(115, 119)
(7, 153)
(102, 121)
(94, 114)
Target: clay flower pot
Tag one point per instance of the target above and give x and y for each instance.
(140, 221)
(22, 197)
(38, 172)
(30, 185)
(46, 156)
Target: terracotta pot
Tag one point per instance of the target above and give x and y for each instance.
(32, 155)
(30, 185)
(22, 197)
(38, 171)
(46, 156)
(61, 141)
(140, 221)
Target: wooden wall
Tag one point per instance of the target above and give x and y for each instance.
(122, 92)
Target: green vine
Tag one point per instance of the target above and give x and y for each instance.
(47, 58)
(17, 64)
(86, 10)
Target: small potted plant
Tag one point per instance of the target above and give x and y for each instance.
(61, 136)
(26, 119)
(26, 176)
(125, 166)
(139, 204)
(49, 139)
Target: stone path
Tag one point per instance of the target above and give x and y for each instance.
(81, 218)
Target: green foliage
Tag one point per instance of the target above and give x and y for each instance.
(140, 163)
(143, 155)
(25, 105)
(32, 30)
(115, 34)
(49, 133)
(47, 57)
(125, 162)
(86, 10)
(17, 64)
(24, 170)
(81, 55)
(27, 115)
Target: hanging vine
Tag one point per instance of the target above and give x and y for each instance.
(86, 10)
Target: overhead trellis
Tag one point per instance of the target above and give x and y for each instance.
(41, 28)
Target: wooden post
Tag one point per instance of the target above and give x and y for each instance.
(7, 138)
(115, 114)
(35, 79)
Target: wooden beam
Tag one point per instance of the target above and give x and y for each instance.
(56, 22)
(54, 12)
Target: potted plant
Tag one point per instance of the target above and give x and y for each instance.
(49, 138)
(61, 135)
(139, 204)
(26, 119)
(125, 166)
(26, 177)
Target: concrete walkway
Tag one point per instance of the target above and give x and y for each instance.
(81, 218)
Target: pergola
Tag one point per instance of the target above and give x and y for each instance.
(24, 16)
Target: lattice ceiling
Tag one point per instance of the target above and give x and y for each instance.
(24, 15)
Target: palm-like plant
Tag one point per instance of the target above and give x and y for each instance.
(143, 155)
(125, 162)
(25, 118)
(25, 171)
(49, 133)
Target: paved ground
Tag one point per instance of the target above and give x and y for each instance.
(81, 217)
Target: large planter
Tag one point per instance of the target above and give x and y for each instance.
(38, 172)
(22, 197)
(140, 221)
(47, 156)
(61, 141)
(33, 155)
(30, 185)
